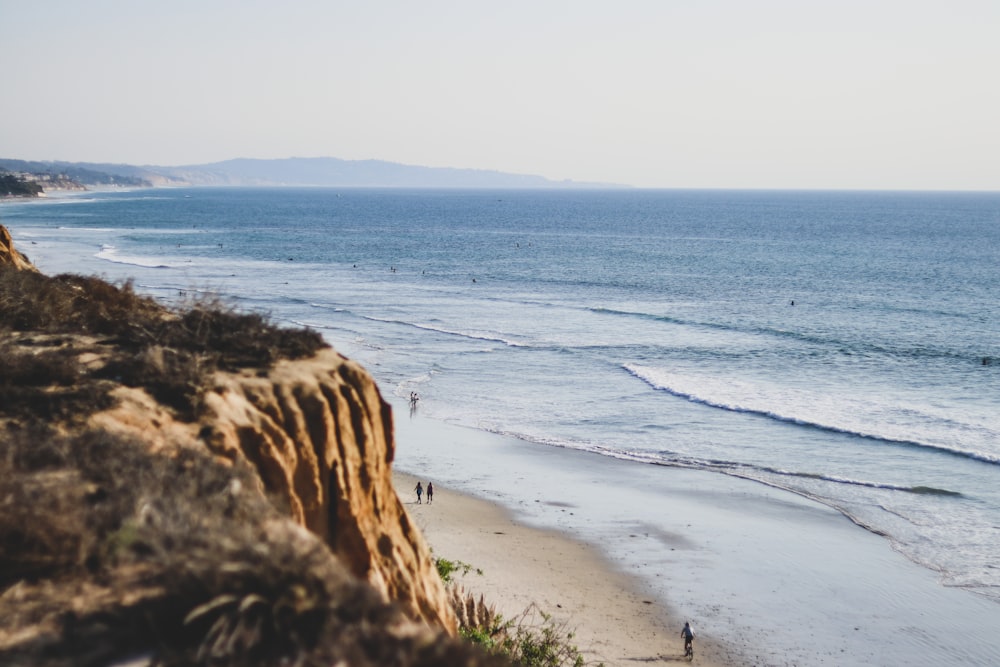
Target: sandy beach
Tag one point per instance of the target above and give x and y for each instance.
(624, 553)
(613, 621)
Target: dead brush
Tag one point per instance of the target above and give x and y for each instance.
(41, 531)
(176, 378)
(473, 614)
(46, 383)
(76, 304)
(238, 340)
(171, 353)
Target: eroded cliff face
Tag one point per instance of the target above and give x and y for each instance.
(9, 255)
(316, 439)
(321, 437)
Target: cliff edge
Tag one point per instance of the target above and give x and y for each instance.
(197, 486)
(9, 256)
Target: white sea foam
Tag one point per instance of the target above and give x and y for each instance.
(109, 253)
(859, 414)
(471, 334)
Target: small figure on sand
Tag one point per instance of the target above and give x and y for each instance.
(688, 634)
(430, 492)
(413, 399)
(420, 492)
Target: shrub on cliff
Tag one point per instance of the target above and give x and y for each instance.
(78, 304)
(169, 352)
(46, 383)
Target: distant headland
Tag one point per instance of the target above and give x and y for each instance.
(295, 171)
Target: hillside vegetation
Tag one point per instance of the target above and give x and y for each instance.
(12, 185)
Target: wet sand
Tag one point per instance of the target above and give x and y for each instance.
(613, 621)
(766, 577)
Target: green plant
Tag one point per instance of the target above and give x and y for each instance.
(447, 568)
(534, 639)
(540, 643)
(483, 637)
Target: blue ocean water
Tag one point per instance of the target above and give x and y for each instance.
(844, 346)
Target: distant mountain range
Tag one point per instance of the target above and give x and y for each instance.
(321, 171)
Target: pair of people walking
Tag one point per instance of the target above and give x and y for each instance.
(420, 492)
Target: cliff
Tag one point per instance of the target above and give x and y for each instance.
(11, 257)
(197, 486)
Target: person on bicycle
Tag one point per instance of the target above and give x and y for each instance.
(688, 634)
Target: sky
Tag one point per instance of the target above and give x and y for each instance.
(873, 94)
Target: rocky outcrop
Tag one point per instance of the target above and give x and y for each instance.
(9, 255)
(321, 437)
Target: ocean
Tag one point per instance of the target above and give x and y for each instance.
(840, 346)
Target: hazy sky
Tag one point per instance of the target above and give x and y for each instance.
(653, 93)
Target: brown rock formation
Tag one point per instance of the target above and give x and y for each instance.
(9, 255)
(321, 437)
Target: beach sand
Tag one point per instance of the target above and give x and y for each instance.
(625, 552)
(613, 621)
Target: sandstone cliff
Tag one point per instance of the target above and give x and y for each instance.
(319, 433)
(197, 487)
(9, 255)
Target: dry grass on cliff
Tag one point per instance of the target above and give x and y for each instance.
(170, 352)
(42, 381)
(108, 551)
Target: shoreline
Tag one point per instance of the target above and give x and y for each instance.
(612, 620)
(766, 577)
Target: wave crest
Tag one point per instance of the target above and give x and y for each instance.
(758, 400)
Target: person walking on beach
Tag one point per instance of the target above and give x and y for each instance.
(430, 492)
(688, 634)
(420, 492)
